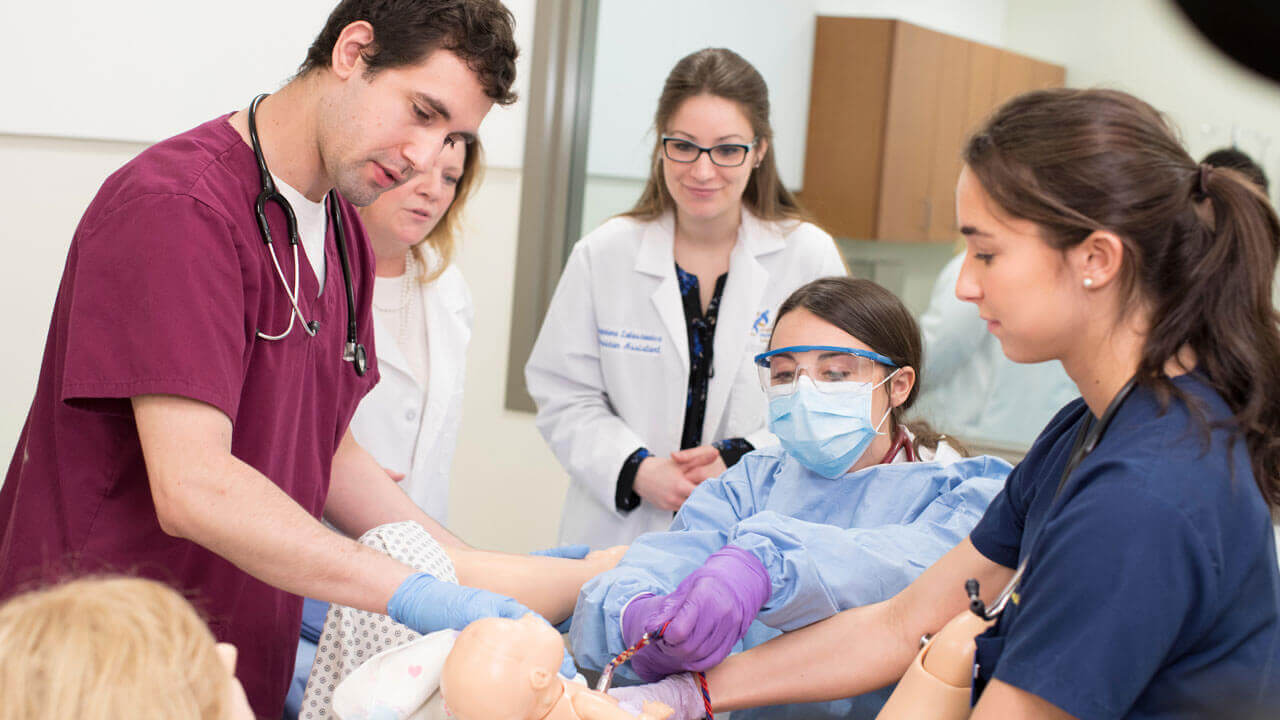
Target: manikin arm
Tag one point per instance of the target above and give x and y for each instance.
(592, 705)
(858, 650)
(549, 586)
(1002, 701)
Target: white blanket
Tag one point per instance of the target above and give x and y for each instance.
(351, 637)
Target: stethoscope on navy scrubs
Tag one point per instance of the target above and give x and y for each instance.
(353, 352)
(1088, 438)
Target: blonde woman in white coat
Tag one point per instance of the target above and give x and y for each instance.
(642, 371)
(422, 314)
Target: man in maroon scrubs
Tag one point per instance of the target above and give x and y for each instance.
(167, 438)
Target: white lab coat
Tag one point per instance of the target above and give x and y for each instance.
(610, 369)
(403, 427)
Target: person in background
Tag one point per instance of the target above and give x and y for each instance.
(422, 314)
(642, 370)
(108, 648)
(1240, 162)
(1134, 540)
(849, 509)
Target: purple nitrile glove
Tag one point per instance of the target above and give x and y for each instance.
(709, 611)
(679, 692)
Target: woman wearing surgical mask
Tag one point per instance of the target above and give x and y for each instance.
(642, 371)
(849, 509)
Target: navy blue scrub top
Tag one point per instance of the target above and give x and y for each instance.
(1152, 589)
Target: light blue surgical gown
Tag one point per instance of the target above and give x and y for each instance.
(828, 545)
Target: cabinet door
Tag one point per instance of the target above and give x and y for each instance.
(850, 87)
(950, 131)
(905, 210)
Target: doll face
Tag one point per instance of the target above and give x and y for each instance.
(502, 668)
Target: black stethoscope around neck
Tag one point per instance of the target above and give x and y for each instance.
(1086, 441)
(353, 352)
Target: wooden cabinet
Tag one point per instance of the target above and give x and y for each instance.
(890, 108)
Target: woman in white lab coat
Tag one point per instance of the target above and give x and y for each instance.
(422, 315)
(422, 324)
(642, 371)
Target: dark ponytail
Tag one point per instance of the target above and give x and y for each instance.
(1200, 243)
(878, 318)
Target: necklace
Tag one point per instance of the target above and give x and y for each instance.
(403, 310)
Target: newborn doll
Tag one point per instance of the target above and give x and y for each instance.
(495, 669)
(507, 669)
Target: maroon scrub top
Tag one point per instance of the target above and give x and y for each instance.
(165, 284)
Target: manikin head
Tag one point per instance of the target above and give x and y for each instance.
(401, 81)
(99, 648)
(501, 669)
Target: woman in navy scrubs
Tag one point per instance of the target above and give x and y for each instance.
(1150, 586)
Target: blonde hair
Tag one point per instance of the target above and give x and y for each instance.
(108, 648)
(443, 237)
(725, 74)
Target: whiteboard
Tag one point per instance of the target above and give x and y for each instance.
(144, 70)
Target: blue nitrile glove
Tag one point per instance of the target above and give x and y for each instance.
(568, 552)
(705, 616)
(426, 605)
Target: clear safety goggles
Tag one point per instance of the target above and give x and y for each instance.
(832, 369)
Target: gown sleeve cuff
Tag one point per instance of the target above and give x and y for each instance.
(732, 449)
(625, 498)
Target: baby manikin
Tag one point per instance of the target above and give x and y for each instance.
(495, 669)
(501, 668)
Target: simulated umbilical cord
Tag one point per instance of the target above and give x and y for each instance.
(644, 640)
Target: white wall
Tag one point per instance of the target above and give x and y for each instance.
(1147, 48)
(45, 186)
(125, 74)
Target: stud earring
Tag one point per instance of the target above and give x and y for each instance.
(1088, 282)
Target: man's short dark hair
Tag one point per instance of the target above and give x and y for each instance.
(405, 32)
(1236, 160)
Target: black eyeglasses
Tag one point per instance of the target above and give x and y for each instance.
(726, 155)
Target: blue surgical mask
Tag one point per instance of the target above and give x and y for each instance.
(825, 431)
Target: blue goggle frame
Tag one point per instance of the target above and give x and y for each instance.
(762, 357)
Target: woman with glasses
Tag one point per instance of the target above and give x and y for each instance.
(642, 371)
(849, 510)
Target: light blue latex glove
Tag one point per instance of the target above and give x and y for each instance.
(679, 692)
(426, 605)
(568, 552)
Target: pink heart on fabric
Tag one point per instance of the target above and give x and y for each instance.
(415, 670)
